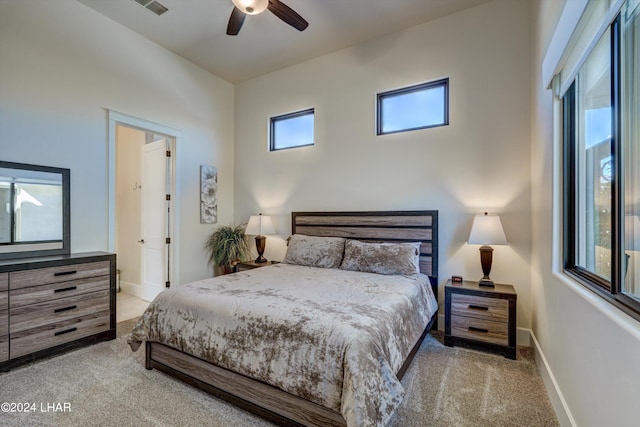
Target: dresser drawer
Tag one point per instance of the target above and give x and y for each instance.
(480, 330)
(54, 334)
(480, 307)
(4, 348)
(36, 315)
(38, 294)
(62, 273)
(4, 322)
(4, 281)
(4, 300)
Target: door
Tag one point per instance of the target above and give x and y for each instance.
(155, 210)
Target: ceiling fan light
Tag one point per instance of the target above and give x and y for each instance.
(251, 7)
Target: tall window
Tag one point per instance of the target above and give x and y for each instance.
(416, 107)
(601, 165)
(291, 130)
(630, 147)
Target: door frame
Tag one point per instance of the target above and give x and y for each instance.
(115, 118)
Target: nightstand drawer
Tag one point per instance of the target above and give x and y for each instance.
(4, 300)
(480, 330)
(480, 307)
(4, 281)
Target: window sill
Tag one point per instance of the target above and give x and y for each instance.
(609, 306)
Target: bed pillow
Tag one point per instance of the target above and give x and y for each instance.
(314, 251)
(382, 258)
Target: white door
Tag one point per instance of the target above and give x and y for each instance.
(154, 218)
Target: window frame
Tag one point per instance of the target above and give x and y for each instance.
(611, 290)
(444, 83)
(282, 117)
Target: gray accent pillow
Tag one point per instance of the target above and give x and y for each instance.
(314, 251)
(382, 258)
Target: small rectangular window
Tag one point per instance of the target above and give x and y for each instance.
(291, 130)
(416, 107)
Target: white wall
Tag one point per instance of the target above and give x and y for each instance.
(61, 64)
(588, 349)
(479, 162)
(128, 231)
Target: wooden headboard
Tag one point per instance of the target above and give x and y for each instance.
(378, 226)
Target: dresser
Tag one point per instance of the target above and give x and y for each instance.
(481, 317)
(53, 304)
(4, 317)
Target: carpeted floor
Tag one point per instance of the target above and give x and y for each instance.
(107, 385)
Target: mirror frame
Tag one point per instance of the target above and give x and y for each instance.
(37, 248)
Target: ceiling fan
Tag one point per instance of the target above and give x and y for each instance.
(242, 8)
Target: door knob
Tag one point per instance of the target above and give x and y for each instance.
(141, 241)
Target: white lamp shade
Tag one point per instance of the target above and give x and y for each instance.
(259, 225)
(487, 230)
(632, 233)
(251, 7)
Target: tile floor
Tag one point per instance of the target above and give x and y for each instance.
(128, 306)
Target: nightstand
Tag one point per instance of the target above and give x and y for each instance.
(250, 265)
(481, 317)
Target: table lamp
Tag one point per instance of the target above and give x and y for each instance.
(486, 230)
(259, 225)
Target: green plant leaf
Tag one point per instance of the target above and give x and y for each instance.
(227, 245)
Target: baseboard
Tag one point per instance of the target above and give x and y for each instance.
(131, 289)
(553, 390)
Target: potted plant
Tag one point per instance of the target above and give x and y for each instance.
(227, 246)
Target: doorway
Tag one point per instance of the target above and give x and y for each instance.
(142, 205)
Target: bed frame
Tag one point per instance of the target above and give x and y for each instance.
(272, 403)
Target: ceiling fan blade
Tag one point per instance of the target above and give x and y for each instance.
(235, 21)
(287, 14)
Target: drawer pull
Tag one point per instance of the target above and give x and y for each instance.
(474, 329)
(66, 331)
(65, 273)
(70, 288)
(478, 307)
(60, 310)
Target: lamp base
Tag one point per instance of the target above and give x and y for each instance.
(261, 242)
(486, 282)
(486, 257)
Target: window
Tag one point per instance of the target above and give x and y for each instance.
(291, 130)
(601, 138)
(417, 107)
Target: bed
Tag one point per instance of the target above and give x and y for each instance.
(321, 339)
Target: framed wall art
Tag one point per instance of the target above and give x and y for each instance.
(208, 194)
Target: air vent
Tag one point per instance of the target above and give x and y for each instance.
(153, 6)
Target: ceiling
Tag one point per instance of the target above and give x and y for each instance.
(196, 29)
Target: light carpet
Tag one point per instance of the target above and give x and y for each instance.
(107, 385)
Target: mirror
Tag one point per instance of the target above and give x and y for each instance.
(34, 210)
